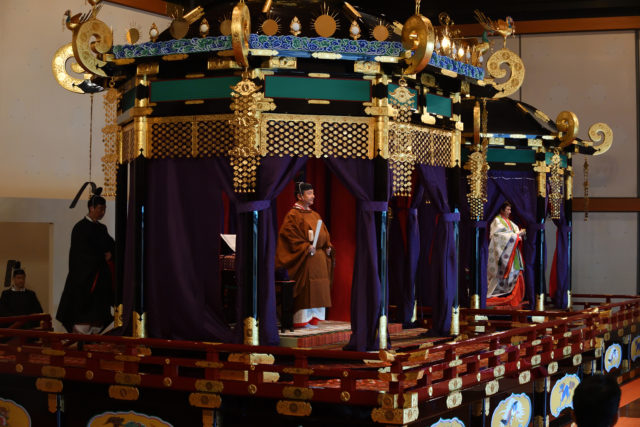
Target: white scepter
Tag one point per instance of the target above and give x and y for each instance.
(317, 233)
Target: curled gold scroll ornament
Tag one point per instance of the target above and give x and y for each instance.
(90, 40)
(59, 69)
(602, 134)
(240, 32)
(516, 66)
(418, 36)
(567, 124)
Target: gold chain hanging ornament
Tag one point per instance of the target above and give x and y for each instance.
(110, 139)
(586, 189)
(401, 156)
(477, 164)
(556, 182)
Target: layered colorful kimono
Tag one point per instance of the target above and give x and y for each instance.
(505, 282)
(312, 273)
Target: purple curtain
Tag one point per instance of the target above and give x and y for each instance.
(273, 175)
(563, 280)
(397, 260)
(519, 188)
(412, 257)
(440, 283)
(357, 175)
(183, 220)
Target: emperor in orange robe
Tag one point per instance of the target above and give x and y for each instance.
(310, 267)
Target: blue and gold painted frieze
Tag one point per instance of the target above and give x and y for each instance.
(171, 47)
(301, 47)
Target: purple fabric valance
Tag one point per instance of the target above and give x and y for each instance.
(451, 217)
(255, 205)
(373, 206)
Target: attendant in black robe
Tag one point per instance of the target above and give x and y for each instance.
(85, 305)
(18, 300)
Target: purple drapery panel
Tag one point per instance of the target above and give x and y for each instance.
(562, 260)
(443, 277)
(403, 260)
(396, 259)
(519, 188)
(183, 220)
(357, 175)
(413, 253)
(273, 175)
(467, 242)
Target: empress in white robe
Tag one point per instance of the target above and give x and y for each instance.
(505, 258)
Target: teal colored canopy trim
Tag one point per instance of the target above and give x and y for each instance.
(184, 90)
(313, 88)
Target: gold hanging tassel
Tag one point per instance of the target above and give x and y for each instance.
(586, 189)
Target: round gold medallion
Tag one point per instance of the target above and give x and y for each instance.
(270, 27)
(325, 25)
(225, 27)
(179, 28)
(381, 33)
(133, 35)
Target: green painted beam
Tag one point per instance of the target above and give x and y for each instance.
(438, 105)
(184, 90)
(128, 99)
(317, 88)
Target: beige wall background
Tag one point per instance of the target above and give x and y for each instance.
(44, 131)
(29, 243)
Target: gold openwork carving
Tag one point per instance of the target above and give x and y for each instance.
(556, 181)
(601, 134)
(516, 66)
(248, 103)
(477, 164)
(187, 136)
(92, 39)
(59, 69)
(319, 136)
(110, 140)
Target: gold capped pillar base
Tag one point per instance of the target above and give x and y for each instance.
(117, 316)
(475, 301)
(139, 325)
(540, 302)
(569, 304)
(382, 332)
(250, 331)
(455, 321)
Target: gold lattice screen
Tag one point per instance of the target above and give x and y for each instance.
(319, 136)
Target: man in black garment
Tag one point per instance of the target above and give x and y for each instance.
(18, 300)
(85, 305)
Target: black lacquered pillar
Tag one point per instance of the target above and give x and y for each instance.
(540, 285)
(381, 193)
(453, 190)
(139, 171)
(122, 177)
